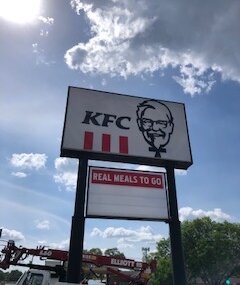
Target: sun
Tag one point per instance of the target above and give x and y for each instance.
(20, 11)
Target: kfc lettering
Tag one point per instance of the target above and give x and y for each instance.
(100, 119)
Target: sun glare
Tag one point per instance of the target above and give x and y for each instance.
(20, 11)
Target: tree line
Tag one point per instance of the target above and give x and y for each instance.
(108, 252)
(211, 252)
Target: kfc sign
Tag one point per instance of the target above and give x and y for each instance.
(124, 128)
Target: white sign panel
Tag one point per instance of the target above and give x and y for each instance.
(116, 127)
(126, 194)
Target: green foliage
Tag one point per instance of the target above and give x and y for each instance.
(96, 251)
(211, 249)
(11, 276)
(163, 248)
(163, 274)
(108, 252)
(211, 252)
(14, 275)
(2, 276)
(145, 253)
(114, 252)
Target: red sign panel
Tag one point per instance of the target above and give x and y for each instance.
(127, 178)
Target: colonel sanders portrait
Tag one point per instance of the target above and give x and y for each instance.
(155, 121)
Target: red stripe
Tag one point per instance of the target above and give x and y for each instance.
(123, 144)
(88, 140)
(106, 142)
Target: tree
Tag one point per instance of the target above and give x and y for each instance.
(211, 252)
(114, 252)
(163, 274)
(2, 276)
(211, 249)
(95, 250)
(145, 253)
(14, 275)
(11, 276)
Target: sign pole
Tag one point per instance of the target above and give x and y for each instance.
(179, 276)
(78, 224)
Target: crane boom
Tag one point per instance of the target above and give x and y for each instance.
(13, 255)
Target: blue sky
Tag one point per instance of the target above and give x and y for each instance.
(183, 51)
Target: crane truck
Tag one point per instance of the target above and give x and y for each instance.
(117, 270)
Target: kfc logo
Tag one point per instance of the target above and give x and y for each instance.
(155, 121)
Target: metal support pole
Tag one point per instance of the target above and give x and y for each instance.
(179, 276)
(78, 225)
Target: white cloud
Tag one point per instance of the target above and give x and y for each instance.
(194, 82)
(66, 173)
(42, 242)
(159, 169)
(42, 225)
(63, 245)
(150, 168)
(19, 174)
(35, 47)
(104, 82)
(180, 172)
(12, 235)
(44, 32)
(197, 40)
(123, 244)
(28, 160)
(46, 20)
(126, 237)
(187, 213)
(39, 52)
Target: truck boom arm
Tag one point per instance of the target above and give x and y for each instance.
(13, 255)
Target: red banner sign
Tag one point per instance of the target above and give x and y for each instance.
(126, 178)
